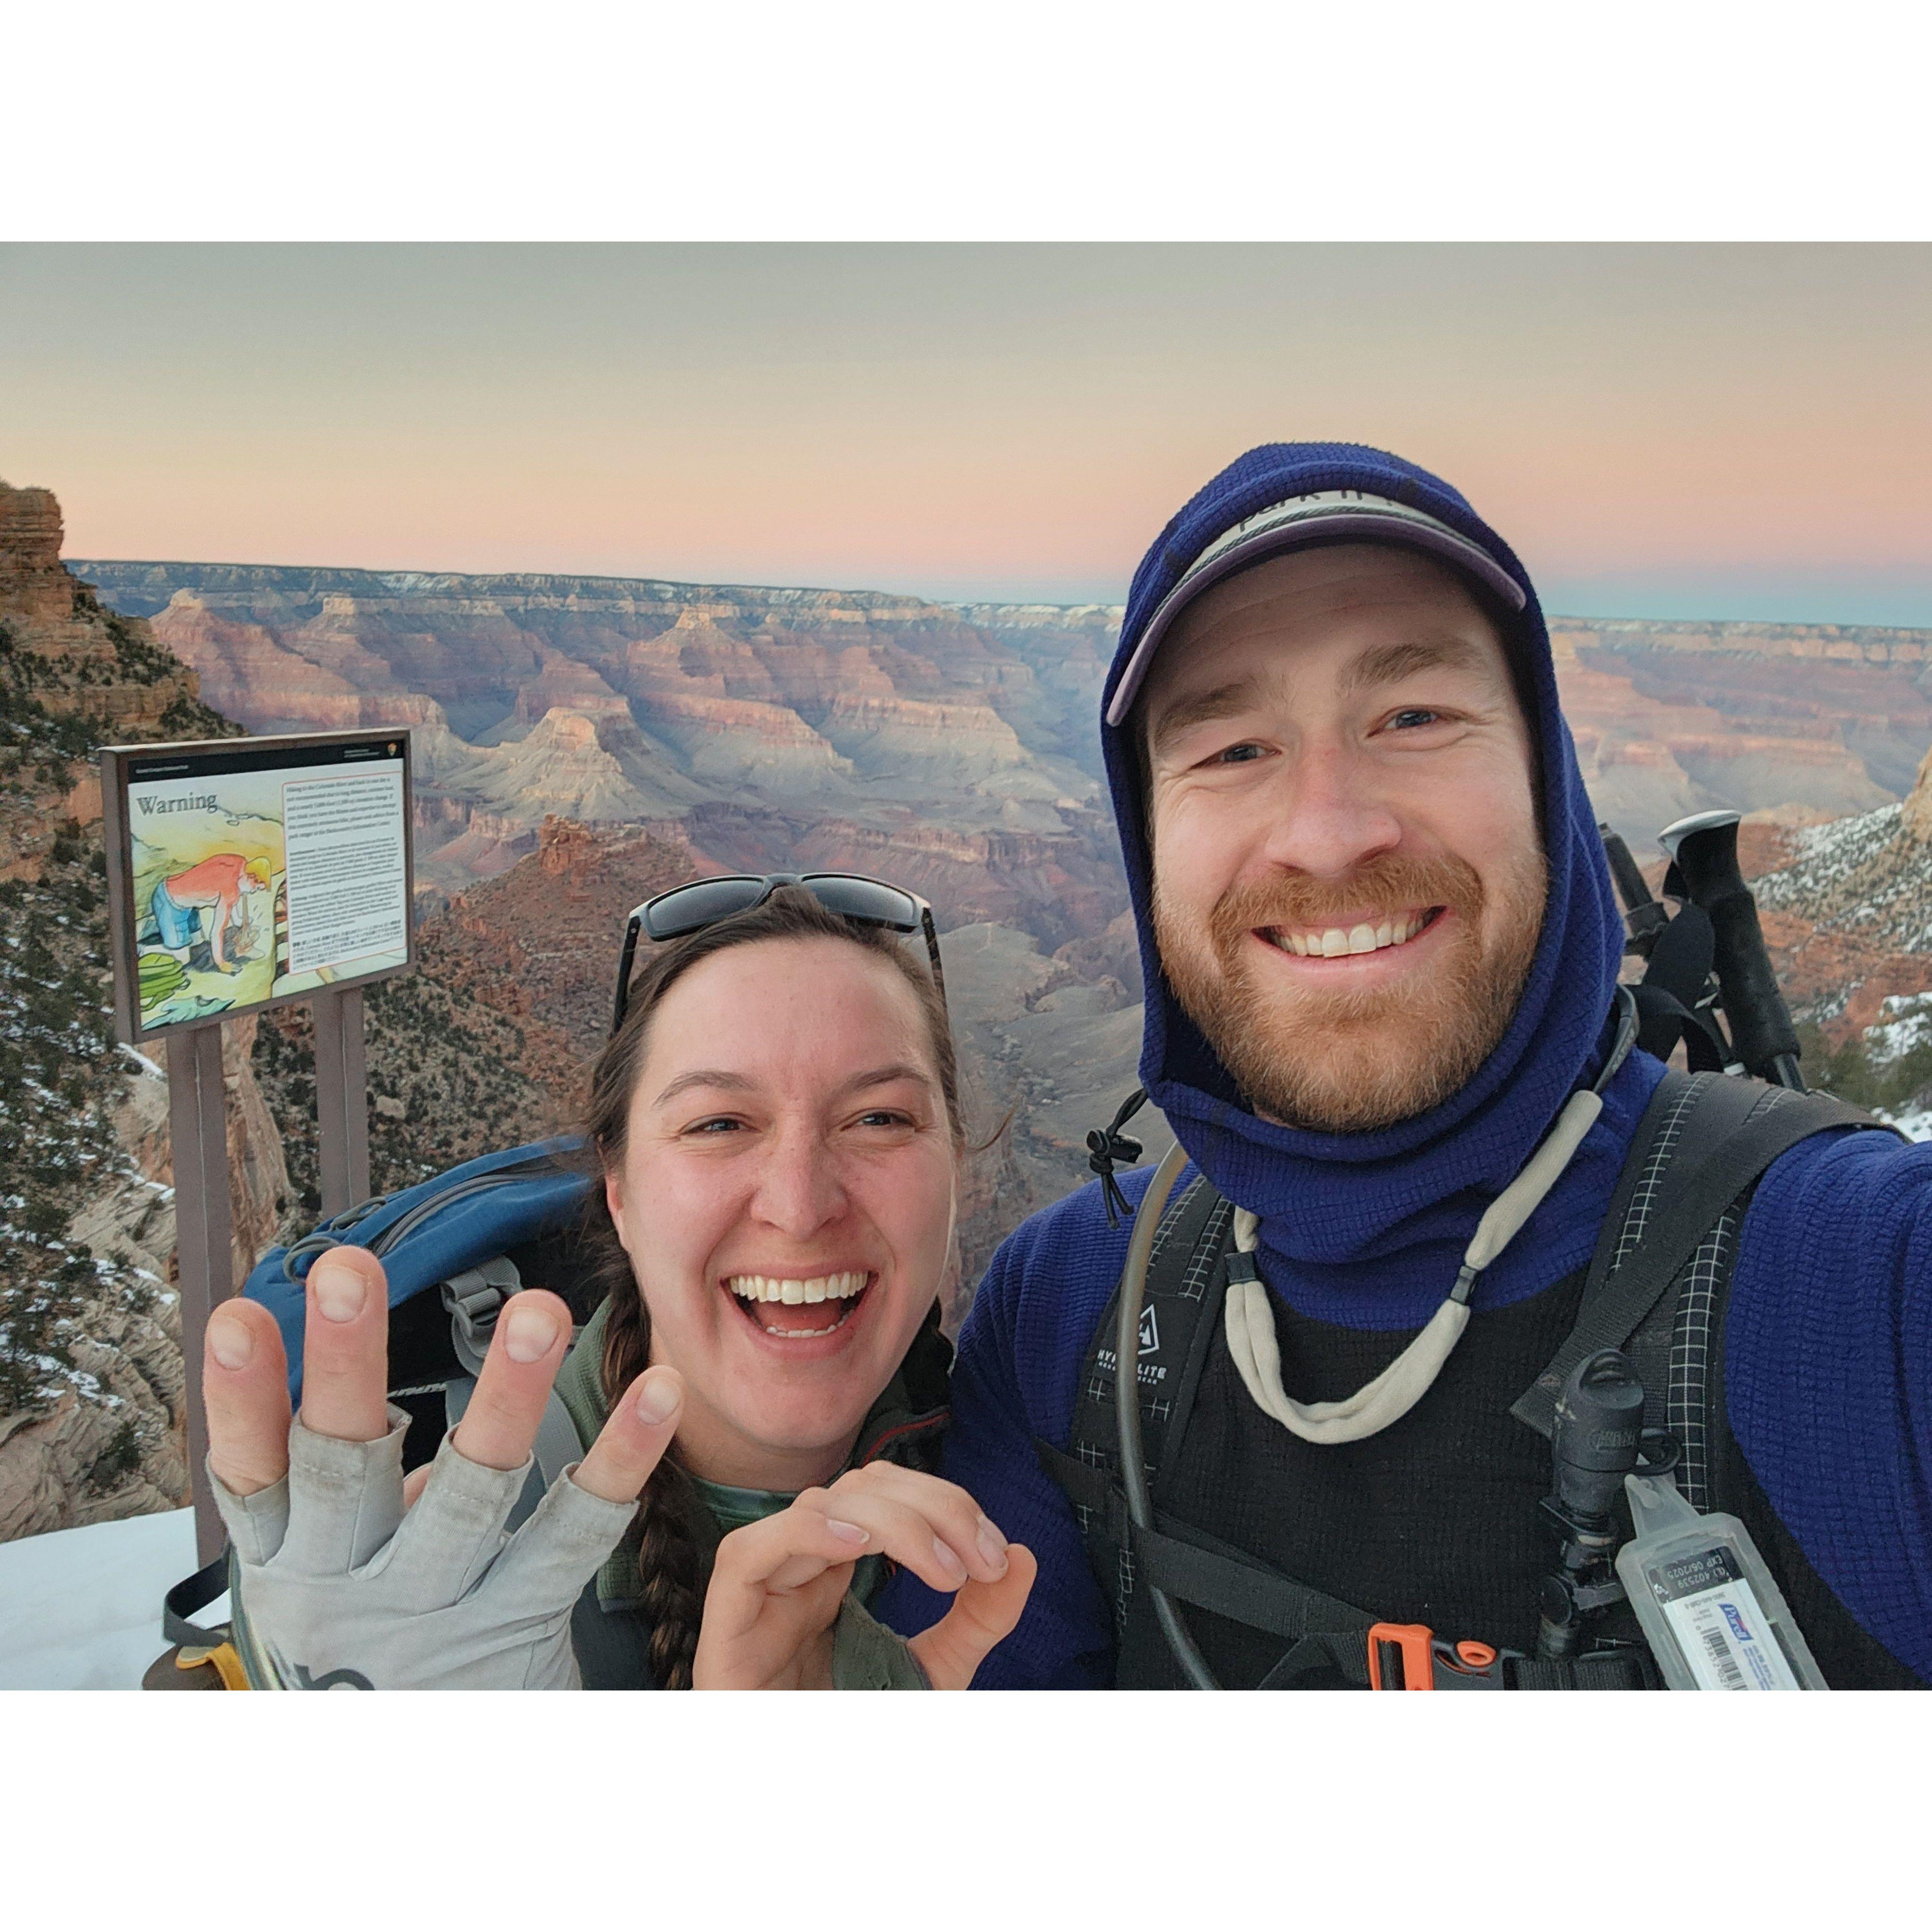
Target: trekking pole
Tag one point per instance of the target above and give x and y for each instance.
(1703, 851)
(1643, 913)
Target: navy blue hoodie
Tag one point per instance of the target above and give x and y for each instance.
(1828, 1351)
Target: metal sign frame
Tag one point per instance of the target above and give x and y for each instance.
(124, 920)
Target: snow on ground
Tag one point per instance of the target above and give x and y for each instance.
(80, 1610)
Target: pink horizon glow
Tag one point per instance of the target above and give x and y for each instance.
(1743, 424)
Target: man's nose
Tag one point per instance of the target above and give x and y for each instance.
(800, 1189)
(1328, 816)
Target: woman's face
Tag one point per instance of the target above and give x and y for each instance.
(786, 1198)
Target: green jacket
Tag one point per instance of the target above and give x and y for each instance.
(609, 1629)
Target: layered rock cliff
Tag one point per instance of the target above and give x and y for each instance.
(1848, 913)
(612, 700)
(615, 699)
(91, 1420)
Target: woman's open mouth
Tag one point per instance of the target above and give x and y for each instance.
(799, 1308)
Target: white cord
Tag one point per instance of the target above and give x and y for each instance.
(1252, 1342)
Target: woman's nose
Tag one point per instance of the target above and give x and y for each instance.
(799, 1189)
(1330, 816)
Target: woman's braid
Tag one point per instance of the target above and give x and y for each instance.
(667, 1565)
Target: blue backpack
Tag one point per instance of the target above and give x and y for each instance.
(432, 1235)
(458, 1233)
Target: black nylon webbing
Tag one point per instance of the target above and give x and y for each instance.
(191, 1595)
(1230, 1587)
(1746, 1125)
(1226, 1583)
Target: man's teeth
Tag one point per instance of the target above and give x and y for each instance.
(820, 1287)
(1337, 940)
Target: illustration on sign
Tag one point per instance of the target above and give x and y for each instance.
(251, 885)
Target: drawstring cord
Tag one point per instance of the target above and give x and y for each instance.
(1107, 1148)
(1249, 1320)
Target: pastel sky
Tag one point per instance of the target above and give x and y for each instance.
(1726, 431)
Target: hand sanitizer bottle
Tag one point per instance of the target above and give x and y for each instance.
(1714, 1619)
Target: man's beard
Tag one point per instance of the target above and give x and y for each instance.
(1348, 1061)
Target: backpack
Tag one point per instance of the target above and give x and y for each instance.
(1657, 1288)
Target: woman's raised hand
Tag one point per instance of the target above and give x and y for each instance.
(348, 1581)
(778, 1586)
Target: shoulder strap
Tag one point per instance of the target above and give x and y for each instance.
(476, 1299)
(1184, 1284)
(1704, 1140)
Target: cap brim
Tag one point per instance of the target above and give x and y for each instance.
(1297, 530)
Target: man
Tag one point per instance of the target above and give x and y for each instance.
(1381, 947)
(223, 888)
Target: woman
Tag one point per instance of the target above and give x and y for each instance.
(776, 1125)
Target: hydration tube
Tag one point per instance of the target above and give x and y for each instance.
(1127, 1401)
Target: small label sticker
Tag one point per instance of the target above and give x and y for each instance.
(1726, 1637)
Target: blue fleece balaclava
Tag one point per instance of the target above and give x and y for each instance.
(1337, 1210)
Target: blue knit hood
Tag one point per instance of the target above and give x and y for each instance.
(1368, 1228)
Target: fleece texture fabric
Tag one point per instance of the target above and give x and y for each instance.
(1827, 1352)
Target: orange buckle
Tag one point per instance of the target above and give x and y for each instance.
(1411, 1657)
(1411, 1648)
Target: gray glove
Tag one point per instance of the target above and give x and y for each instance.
(337, 1588)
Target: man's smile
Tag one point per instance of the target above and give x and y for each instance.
(1374, 934)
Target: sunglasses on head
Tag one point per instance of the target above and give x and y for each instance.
(690, 908)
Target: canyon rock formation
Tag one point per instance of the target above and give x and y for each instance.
(91, 1418)
(617, 700)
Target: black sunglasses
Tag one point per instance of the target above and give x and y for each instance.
(690, 908)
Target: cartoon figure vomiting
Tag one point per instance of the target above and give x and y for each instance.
(223, 886)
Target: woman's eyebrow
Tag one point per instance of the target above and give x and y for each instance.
(738, 1083)
(884, 1076)
(704, 1076)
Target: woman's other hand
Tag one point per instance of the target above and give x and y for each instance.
(350, 1577)
(777, 1586)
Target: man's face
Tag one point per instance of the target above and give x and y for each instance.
(1348, 879)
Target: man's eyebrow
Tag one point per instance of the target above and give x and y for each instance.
(1202, 707)
(1388, 663)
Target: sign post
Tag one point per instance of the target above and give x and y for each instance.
(243, 874)
(341, 1099)
(198, 1132)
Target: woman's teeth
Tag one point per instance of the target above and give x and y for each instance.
(773, 1288)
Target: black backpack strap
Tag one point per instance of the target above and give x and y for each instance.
(188, 1598)
(1186, 1278)
(1195, 1568)
(1703, 1143)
